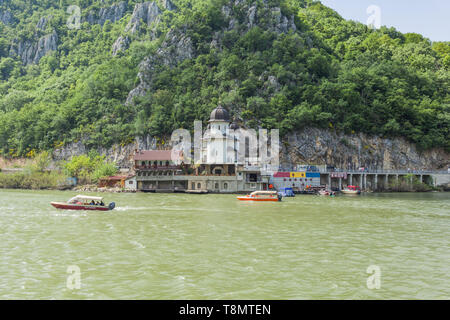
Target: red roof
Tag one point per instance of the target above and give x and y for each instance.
(159, 155)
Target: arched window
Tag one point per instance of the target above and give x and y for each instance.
(216, 186)
(225, 186)
(199, 185)
(193, 185)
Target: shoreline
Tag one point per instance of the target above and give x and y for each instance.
(92, 189)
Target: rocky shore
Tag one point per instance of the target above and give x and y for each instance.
(94, 188)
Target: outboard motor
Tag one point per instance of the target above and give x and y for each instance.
(112, 205)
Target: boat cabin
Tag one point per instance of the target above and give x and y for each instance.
(86, 200)
(264, 194)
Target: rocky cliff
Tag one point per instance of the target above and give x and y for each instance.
(177, 45)
(309, 146)
(122, 155)
(144, 14)
(113, 13)
(176, 48)
(32, 51)
(325, 147)
(6, 17)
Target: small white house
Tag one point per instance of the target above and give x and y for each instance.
(130, 183)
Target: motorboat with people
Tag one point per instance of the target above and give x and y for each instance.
(353, 190)
(261, 196)
(81, 202)
(324, 192)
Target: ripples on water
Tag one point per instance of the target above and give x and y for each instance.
(176, 246)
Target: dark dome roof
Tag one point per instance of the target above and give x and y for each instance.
(219, 114)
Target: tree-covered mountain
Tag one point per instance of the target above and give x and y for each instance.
(135, 68)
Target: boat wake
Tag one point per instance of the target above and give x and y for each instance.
(127, 208)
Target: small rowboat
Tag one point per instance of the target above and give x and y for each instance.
(261, 196)
(81, 202)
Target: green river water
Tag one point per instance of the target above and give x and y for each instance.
(179, 246)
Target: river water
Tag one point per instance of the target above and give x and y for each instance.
(177, 246)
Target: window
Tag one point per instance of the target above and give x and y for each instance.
(225, 186)
(247, 147)
(199, 185)
(216, 186)
(130, 182)
(193, 186)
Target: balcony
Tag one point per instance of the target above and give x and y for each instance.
(158, 168)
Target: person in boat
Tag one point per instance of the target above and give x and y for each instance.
(102, 204)
(92, 203)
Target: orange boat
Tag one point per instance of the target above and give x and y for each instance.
(261, 196)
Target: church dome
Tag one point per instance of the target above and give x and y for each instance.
(219, 114)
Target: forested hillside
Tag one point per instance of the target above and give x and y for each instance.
(136, 68)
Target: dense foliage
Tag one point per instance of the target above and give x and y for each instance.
(89, 168)
(34, 175)
(329, 73)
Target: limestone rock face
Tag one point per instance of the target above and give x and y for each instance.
(176, 48)
(273, 17)
(148, 12)
(308, 146)
(169, 5)
(6, 17)
(351, 151)
(42, 23)
(113, 13)
(122, 155)
(122, 43)
(31, 52)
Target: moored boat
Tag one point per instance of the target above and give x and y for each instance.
(287, 192)
(354, 190)
(81, 202)
(261, 196)
(326, 193)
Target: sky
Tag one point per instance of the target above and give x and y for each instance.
(430, 18)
